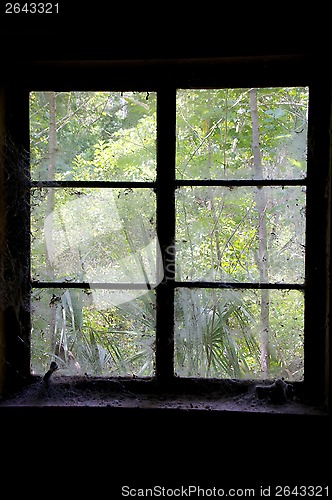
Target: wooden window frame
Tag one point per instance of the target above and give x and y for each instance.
(165, 77)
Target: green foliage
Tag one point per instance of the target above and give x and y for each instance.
(100, 135)
(215, 335)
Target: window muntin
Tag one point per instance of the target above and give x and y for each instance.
(289, 172)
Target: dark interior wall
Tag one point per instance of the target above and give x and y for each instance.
(2, 229)
(101, 449)
(108, 30)
(104, 448)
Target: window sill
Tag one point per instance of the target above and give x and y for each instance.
(109, 393)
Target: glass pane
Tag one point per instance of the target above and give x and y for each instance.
(86, 335)
(244, 234)
(93, 136)
(215, 133)
(94, 235)
(220, 334)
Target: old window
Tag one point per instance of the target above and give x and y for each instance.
(174, 224)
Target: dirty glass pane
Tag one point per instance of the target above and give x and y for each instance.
(93, 332)
(218, 333)
(244, 234)
(94, 235)
(93, 136)
(215, 133)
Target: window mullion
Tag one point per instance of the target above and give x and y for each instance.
(165, 188)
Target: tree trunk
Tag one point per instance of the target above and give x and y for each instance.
(262, 255)
(52, 150)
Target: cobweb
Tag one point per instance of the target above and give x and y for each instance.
(14, 261)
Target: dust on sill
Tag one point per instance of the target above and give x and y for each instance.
(77, 392)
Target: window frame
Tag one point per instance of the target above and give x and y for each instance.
(164, 78)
